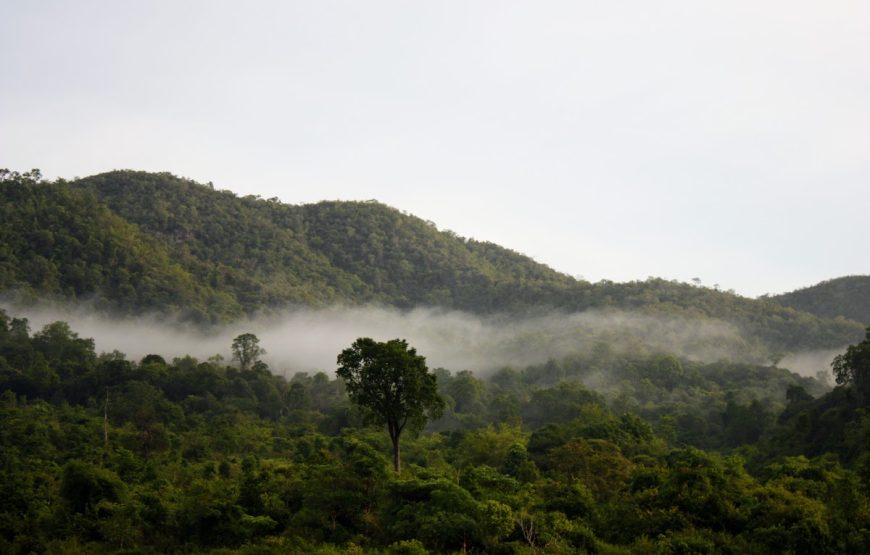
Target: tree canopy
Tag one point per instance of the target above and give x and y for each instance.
(247, 351)
(202, 457)
(853, 366)
(391, 385)
(847, 296)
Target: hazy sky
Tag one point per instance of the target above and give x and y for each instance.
(727, 140)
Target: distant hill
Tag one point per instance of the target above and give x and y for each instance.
(135, 241)
(61, 242)
(350, 252)
(847, 296)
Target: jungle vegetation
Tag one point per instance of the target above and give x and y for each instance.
(101, 454)
(619, 447)
(127, 242)
(847, 296)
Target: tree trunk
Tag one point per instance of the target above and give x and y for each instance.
(397, 464)
(106, 422)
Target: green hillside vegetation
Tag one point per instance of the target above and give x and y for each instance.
(837, 423)
(212, 256)
(100, 454)
(622, 447)
(848, 297)
(64, 243)
(353, 252)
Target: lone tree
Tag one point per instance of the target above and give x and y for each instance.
(853, 366)
(247, 350)
(392, 386)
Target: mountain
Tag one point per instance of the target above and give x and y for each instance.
(56, 241)
(349, 252)
(135, 241)
(847, 296)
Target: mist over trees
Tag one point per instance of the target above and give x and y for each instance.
(626, 432)
(129, 242)
(100, 453)
(247, 351)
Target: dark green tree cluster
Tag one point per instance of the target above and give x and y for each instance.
(837, 423)
(710, 405)
(853, 367)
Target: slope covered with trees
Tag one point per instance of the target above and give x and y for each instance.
(331, 251)
(61, 242)
(212, 256)
(847, 296)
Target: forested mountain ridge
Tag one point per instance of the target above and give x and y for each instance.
(213, 256)
(58, 241)
(353, 252)
(847, 296)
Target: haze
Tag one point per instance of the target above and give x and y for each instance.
(310, 340)
(726, 141)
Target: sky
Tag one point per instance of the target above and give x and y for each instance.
(725, 141)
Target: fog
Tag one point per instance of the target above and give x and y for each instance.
(309, 340)
(816, 364)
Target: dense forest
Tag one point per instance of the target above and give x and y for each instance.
(129, 242)
(847, 296)
(619, 445)
(103, 454)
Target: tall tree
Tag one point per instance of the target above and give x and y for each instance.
(392, 386)
(853, 366)
(247, 350)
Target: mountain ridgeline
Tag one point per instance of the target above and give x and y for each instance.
(130, 241)
(848, 296)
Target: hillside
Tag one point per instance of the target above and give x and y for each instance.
(352, 252)
(847, 296)
(172, 245)
(59, 242)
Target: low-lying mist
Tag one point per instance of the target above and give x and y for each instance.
(309, 340)
(816, 364)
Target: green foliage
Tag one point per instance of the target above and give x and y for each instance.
(130, 241)
(847, 297)
(437, 512)
(84, 486)
(407, 547)
(619, 448)
(596, 463)
(391, 385)
(63, 242)
(103, 454)
(247, 351)
(853, 366)
(838, 422)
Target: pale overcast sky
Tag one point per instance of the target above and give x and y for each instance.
(726, 140)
